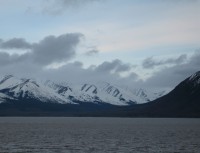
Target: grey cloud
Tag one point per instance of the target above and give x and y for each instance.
(50, 49)
(171, 76)
(92, 52)
(122, 68)
(30, 64)
(15, 43)
(71, 72)
(22, 69)
(108, 66)
(133, 76)
(168, 77)
(149, 62)
(6, 59)
(115, 66)
(78, 64)
(75, 73)
(179, 60)
(55, 49)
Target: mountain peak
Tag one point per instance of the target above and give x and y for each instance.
(197, 74)
(195, 78)
(50, 91)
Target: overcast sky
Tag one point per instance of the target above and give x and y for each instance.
(139, 43)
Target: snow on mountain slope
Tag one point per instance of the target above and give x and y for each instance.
(101, 92)
(4, 97)
(9, 81)
(91, 93)
(49, 91)
(29, 89)
(147, 95)
(195, 78)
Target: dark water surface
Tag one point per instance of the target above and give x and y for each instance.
(98, 135)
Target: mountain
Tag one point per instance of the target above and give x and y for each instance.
(28, 97)
(182, 101)
(21, 89)
(26, 89)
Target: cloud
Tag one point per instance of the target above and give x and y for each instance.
(49, 50)
(15, 43)
(63, 48)
(7, 59)
(56, 49)
(165, 78)
(133, 76)
(92, 52)
(171, 76)
(116, 66)
(149, 62)
(75, 73)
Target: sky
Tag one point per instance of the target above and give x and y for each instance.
(138, 43)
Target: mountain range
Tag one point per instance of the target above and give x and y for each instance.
(29, 97)
(65, 93)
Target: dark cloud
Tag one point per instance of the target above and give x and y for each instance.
(56, 49)
(166, 78)
(50, 49)
(70, 72)
(15, 43)
(75, 73)
(123, 68)
(115, 66)
(63, 48)
(150, 62)
(6, 59)
(92, 52)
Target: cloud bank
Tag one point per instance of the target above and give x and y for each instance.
(15, 43)
(149, 62)
(58, 49)
(169, 77)
(50, 49)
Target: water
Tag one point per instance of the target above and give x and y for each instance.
(98, 135)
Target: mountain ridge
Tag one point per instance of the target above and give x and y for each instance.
(66, 93)
(182, 101)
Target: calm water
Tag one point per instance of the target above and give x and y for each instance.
(98, 135)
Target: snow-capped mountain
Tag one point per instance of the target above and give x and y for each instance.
(28, 89)
(48, 91)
